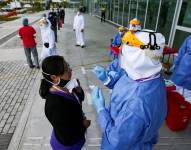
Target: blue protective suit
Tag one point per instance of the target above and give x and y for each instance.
(182, 73)
(117, 40)
(136, 112)
(114, 72)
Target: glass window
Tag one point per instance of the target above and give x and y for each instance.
(142, 5)
(185, 14)
(126, 12)
(166, 17)
(110, 10)
(152, 13)
(180, 36)
(120, 17)
(96, 7)
(133, 9)
(106, 6)
(116, 7)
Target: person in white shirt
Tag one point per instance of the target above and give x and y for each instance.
(78, 27)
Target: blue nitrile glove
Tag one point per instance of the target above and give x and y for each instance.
(98, 99)
(100, 72)
(172, 68)
(113, 74)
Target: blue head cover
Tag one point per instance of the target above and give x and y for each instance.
(25, 22)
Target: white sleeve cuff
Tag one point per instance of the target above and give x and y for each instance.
(107, 81)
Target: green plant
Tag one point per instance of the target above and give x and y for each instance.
(9, 18)
(22, 11)
(2, 4)
(64, 4)
(37, 7)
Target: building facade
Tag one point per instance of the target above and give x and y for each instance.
(170, 17)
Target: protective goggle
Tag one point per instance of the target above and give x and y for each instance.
(132, 40)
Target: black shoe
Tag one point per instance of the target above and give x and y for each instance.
(32, 66)
(37, 67)
(77, 45)
(82, 46)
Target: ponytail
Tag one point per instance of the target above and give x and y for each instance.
(44, 88)
(52, 65)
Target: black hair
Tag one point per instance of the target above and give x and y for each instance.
(44, 15)
(80, 10)
(53, 65)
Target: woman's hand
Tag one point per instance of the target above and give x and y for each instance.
(79, 88)
(86, 122)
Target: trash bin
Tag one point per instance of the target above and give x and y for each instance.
(179, 111)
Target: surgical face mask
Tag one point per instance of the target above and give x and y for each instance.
(58, 83)
(69, 84)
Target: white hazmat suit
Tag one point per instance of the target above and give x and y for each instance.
(78, 26)
(47, 35)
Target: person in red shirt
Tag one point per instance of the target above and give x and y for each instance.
(27, 34)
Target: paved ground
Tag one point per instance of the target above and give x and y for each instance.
(16, 82)
(16, 79)
(33, 130)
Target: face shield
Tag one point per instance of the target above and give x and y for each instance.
(143, 62)
(134, 27)
(44, 23)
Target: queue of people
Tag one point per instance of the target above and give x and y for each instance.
(138, 104)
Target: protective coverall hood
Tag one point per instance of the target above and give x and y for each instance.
(182, 74)
(142, 63)
(47, 37)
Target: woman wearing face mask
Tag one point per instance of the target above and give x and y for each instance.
(63, 109)
(48, 38)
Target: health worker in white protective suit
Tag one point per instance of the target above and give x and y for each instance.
(138, 105)
(78, 27)
(48, 38)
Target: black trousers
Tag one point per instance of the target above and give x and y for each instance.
(63, 17)
(103, 16)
